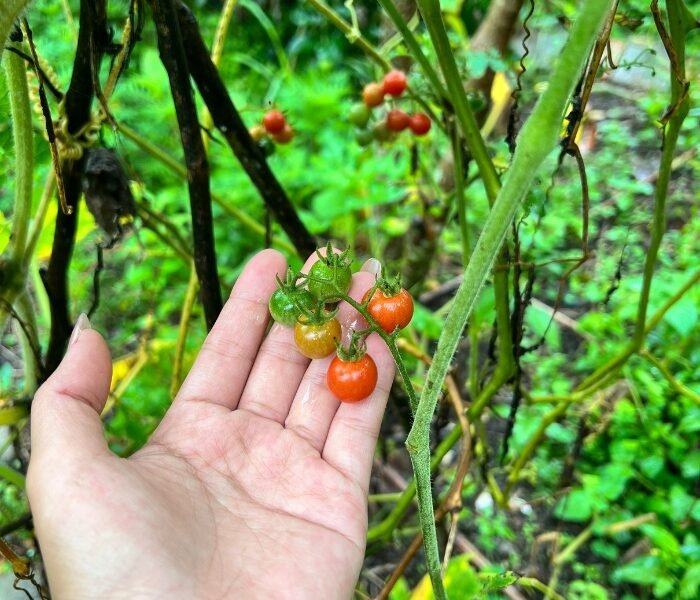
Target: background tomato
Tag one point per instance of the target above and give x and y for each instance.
(274, 121)
(317, 340)
(395, 83)
(352, 381)
(396, 120)
(390, 312)
(419, 123)
(373, 94)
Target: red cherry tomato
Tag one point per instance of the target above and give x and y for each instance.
(419, 123)
(317, 340)
(285, 136)
(352, 381)
(390, 312)
(396, 120)
(395, 83)
(373, 94)
(274, 121)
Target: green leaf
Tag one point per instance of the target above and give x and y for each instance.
(683, 316)
(662, 539)
(644, 570)
(499, 581)
(575, 507)
(689, 586)
(400, 591)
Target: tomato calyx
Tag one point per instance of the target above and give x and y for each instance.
(356, 349)
(390, 286)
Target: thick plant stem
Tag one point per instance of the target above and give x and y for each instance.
(432, 15)
(677, 29)
(9, 11)
(24, 151)
(413, 45)
(538, 137)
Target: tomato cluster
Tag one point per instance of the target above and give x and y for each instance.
(395, 120)
(310, 308)
(274, 129)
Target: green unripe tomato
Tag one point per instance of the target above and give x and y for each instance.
(381, 132)
(327, 274)
(359, 115)
(364, 137)
(286, 305)
(267, 146)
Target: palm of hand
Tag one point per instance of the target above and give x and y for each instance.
(236, 495)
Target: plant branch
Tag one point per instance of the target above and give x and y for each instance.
(172, 54)
(229, 123)
(537, 138)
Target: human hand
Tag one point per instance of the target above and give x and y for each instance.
(254, 485)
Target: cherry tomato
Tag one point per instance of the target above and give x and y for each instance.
(328, 273)
(352, 381)
(390, 312)
(285, 136)
(364, 137)
(274, 121)
(359, 115)
(267, 146)
(419, 123)
(396, 120)
(317, 340)
(381, 132)
(394, 83)
(373, 94)
(257, 132)
(287, 305)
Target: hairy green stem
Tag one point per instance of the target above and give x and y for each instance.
(432, 15)
(16, 72)
(414, 47)
(678, 28)
(9, 11)
(353, 35)
(538, 137)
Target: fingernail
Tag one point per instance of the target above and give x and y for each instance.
(81, 324)
(372, 265)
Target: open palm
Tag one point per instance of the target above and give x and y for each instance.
(253, 486)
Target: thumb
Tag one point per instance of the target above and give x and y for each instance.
(65, 420)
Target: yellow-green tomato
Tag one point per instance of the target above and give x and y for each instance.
(317, 340)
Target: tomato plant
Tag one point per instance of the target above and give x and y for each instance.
(317, 339)
(394, 83)
(274, 121)
(390, 311)
(419, 123)
(373, 94)
(352, 380)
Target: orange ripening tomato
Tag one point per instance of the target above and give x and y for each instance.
(390, 312)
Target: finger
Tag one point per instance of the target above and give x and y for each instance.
(354, 429)
(219, 374)
(277, 371)
(314, 405)
(65, 421)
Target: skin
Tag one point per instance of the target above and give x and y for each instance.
(254, 485)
